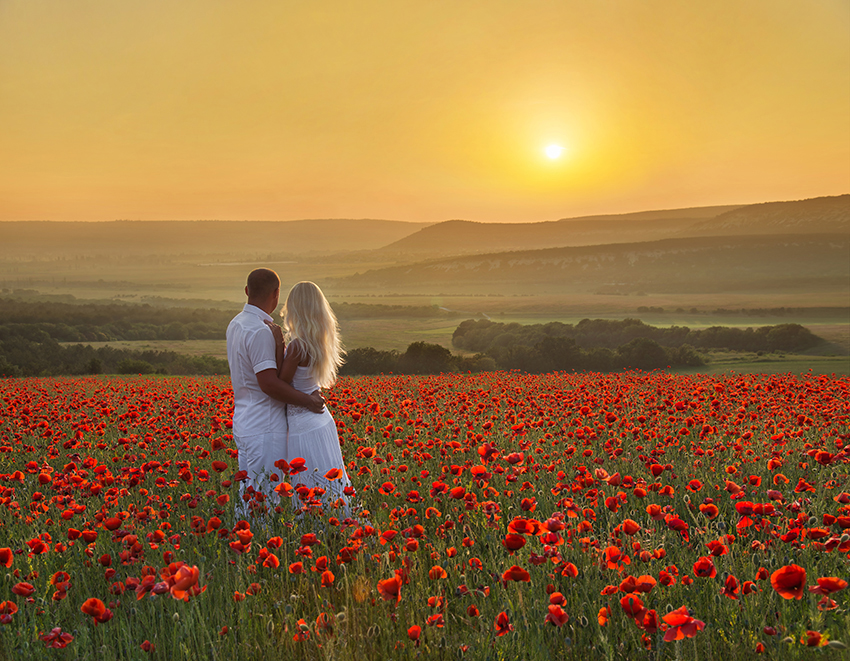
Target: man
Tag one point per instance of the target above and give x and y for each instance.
(259, 415)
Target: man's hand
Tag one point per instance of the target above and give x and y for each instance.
(283, 392)
(277, 331)
(318, 405)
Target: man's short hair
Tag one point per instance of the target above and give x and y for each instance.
(262, 283)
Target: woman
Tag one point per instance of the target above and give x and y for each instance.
(310, 361)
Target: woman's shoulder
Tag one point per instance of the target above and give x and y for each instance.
(299, 350)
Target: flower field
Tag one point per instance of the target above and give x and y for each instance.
(495, 516)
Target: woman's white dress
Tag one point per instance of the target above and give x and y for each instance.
(314, 438)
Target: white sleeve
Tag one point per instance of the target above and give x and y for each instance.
(260, 347)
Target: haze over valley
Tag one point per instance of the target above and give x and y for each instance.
(734, 264)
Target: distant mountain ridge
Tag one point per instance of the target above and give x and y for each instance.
(377, 241)
(823, 215)
(698, 264)
(199, 237)
(817, 215)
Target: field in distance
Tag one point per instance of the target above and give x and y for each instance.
(398, 333)
(743, 266)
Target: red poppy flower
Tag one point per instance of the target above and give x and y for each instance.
(516, 573)
(632, 606)
(710, 510)
(556, 615)
(789, 581)
(828, 585)
(502, 624)
(731, 588)
(704, 568)
(97, 609)
(436, 620)
(717, 548)
(513, 542)
(390, 589)
(297, 465)
(615, 558)
(649, 623)
(520, 526)
(813, 639)
(333, 474)
(681, 625)
(23, 589)
(7, 610)
(309, 539)
(6, 557)
(56, 638)
(643, 584)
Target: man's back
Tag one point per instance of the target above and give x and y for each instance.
(250, 349)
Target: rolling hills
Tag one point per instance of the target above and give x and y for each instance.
(236, 239)
(459, 237)
(680, 265)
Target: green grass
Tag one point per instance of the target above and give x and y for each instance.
(744, 362)
(398, 333)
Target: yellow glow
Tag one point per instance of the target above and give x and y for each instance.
(267, 110)
(554, 151)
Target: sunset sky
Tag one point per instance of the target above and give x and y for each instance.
(420, 110)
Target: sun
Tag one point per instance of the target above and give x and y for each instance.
(554, 151)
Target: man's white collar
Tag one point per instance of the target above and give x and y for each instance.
(253, 309)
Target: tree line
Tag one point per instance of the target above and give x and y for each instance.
(110, 322)
(28, 349)
(37, 354)
(494, 338)
(551, 354)
(28, 352)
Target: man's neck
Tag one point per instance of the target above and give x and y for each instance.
(259, 305)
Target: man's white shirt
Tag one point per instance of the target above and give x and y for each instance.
(251, 349)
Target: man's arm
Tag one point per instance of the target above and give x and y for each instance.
(283, 392)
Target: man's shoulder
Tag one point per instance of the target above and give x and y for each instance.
(247, 324)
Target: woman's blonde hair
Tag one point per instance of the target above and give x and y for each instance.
(307, 317)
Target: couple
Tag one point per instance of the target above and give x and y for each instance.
(279, 412)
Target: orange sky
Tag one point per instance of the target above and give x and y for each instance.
(417, 110)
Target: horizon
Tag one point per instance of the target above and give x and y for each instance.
(489, 112)
(598, 216)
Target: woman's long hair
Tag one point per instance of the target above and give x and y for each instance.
(308, 317)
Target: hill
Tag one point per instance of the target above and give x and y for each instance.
(459, 237)
(702, 264)
(822, 215)
(468, 237)
(40, 240)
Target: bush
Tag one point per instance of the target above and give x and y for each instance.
(366, 360)
(131, 366)
(424, 358)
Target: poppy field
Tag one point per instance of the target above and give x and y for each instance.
(500, 515)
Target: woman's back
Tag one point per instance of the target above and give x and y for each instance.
(303, 380)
